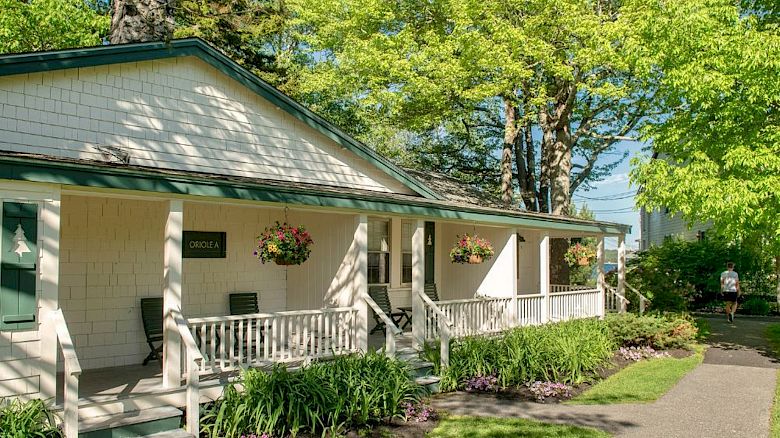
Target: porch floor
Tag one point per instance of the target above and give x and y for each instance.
(116, 383)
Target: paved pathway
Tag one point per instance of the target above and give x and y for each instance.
(729, 395)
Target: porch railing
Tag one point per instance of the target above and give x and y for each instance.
(581, 303)
(470, 317)
(613, 301)
(70, 420)
(529, 309)
(391, 330)
(643, 301)
(437, 325)
(557, 288)
(230, 342)
(192, 362)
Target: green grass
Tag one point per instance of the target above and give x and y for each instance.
(643, 381)
(490, 427)
(773, 336)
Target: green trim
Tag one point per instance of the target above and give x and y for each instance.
(95, 56)
(75, 174)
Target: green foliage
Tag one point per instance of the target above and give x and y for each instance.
(567, 352)
(27, 419)
(755, 306)
(349, 391)
(678, 271)
(36, 25)
(468, 246)
(660, 332)
(490, 427)
(644, 381)
(719, 142)
(284, 244)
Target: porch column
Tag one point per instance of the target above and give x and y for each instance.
(544, 276)
(621, 265)
(360, 279)
(418, 284)
(49, 301)
(600, 276)
(512, 273)
(172, 269)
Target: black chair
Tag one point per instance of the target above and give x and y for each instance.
(243, 303)
(430, 290)
(382, 299)
(152, 318)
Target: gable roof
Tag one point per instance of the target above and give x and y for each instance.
(123, 53)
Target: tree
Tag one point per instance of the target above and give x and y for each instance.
(134, 21)
(36, 25)
(719, 142)
(487, 76)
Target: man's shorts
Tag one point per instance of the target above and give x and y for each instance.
(730, 297)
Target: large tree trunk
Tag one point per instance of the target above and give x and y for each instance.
(510, 134)
(135, 21)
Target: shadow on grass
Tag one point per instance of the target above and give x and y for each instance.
(485, 427)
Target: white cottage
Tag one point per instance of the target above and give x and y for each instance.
(110, 155)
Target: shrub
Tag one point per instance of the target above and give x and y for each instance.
(659, 332)
(349, 391)
(567, 352)
(27, 419)
(755, 306)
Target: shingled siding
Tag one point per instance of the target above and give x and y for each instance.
(658, 226)
(177, 113)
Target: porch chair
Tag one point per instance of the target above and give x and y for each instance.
(430, 290)
(243, 303)
(382, 299)
(152, 318)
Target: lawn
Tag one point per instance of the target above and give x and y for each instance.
(773, 336)
(489, 427)
(643, 381)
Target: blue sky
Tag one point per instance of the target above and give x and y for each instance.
(613, 198)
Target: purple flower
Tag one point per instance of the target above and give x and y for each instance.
(638, 353)
(482, 383)
(542, 390)
(420, 413)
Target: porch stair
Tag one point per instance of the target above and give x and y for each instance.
(160, 422)
(419, 369)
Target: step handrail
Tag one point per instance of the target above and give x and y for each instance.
(72, 372)
(623, 300)
(192, 359)
(391, 330)
(643, 300)
(445, 329)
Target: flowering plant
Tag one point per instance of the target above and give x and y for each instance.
(482, 383)
(542, 390)
(579, 254)
(420, 412)
(638, 353)
(284, 244)
(471, 249)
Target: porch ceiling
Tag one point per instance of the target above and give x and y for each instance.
(102, 175)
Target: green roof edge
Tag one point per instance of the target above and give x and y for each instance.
(122, 53)
(85, 175)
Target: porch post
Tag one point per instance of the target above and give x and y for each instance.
(512, 273)
(49, 273)
(172, 270)
(544, 276)
(418, 284)
(621, 265)
(360, 280)
(600, 276)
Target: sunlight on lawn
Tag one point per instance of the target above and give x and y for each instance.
(489, 427)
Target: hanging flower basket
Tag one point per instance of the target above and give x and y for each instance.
(284, 245)
(472, 250)
(579, 254)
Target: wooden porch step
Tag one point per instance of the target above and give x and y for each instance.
(430, 382)
(179, 433)
(131, 424)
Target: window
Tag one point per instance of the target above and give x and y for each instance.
(406, 251)
(378, 251)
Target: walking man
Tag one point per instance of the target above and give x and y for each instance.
(729, 286)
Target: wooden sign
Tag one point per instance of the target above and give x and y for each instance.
(204, 245)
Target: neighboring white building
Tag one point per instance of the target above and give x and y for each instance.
(659, 225)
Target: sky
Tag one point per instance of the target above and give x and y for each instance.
(612, 199)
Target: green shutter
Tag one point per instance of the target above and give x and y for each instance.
(17, 271)
(430, 237)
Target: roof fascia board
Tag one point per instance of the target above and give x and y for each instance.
(104, 55)
(81, 175)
